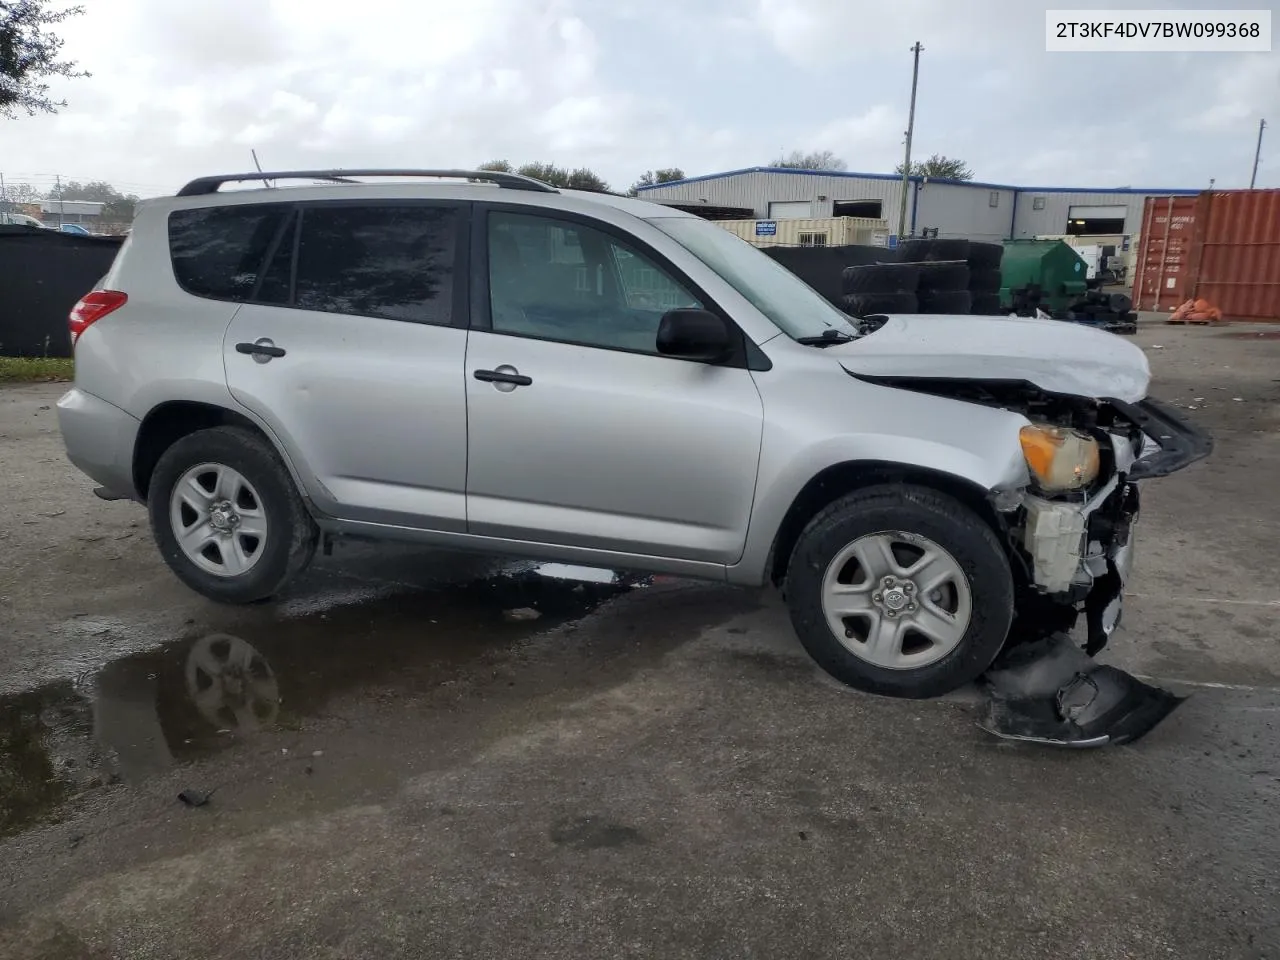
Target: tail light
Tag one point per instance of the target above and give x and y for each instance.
(93, 306)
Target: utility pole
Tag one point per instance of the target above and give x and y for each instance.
(911, 126)
(1257, 154)
(57, 180)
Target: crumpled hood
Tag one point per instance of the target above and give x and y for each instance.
(1055, 355)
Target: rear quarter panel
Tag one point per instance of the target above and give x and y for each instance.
(162, 345)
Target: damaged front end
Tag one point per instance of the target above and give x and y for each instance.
(1070, 534)
(1078, 545)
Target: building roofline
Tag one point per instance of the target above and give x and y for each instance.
(1156, 191)
(1145, 191)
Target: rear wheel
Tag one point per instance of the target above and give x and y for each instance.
(900, 590)
(227, 517)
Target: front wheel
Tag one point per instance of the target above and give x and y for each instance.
(900, 590)
(227, 516)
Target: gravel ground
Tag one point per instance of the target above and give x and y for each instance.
(649, 770)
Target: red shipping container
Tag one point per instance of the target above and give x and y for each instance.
(1160, 278)
(1221, 246)
(1235, 256)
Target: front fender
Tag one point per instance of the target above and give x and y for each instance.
(975, 444)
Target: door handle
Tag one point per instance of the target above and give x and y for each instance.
(504, 374)
(262, 350)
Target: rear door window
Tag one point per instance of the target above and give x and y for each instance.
(217, 252)
(379, 260)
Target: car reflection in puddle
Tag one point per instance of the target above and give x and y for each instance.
(143, 714)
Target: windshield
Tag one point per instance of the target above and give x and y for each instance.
(794, 306)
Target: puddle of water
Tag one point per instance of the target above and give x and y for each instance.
(569, 571)
(142, 714)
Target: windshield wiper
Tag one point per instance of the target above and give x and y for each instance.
(827, 338)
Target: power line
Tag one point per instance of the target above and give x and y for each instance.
(51, 179)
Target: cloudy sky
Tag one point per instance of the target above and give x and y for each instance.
(185, 88)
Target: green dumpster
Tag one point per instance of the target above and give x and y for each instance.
(1051, 265)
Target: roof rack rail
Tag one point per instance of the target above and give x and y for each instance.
(202, 186)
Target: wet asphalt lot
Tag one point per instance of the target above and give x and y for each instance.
(401, 767)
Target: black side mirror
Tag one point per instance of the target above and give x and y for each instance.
(690, 333)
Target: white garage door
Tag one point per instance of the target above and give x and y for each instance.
(790, 210)
(1098, 213)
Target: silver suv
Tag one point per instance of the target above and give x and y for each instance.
(494, 364)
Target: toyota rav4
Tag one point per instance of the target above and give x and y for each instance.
(477, 360)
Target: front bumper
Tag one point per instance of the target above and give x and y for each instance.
(1049, 690)
(1178, 442)
(1084, 550)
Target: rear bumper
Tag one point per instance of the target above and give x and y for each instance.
(99, 439)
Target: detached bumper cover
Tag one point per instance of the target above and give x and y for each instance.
(1180, 441)
(1051, 692)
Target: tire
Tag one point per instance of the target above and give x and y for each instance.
(969, 549)
(985, 256)
(985, 281)
(920, 251)
(290, 535)
(945, 301)
(881, 278)
(1119, 302)
(865, 304)
(985, 305)
(943, 276)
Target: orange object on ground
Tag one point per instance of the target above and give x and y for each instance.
(1196, 311)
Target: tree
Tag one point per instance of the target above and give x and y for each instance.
(22, 193)
(29, 54)
(578, 179)
(817, 160)
(651, 178)
(939, 167)
(118, 207)
(584, 179)
(546, 172)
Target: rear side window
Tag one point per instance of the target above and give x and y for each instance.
(217, 252)
(385, 260)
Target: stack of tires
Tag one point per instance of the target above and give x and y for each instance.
(880, 288)
(943, 264)
(984, 278)
(1110, 311)
(823, 267)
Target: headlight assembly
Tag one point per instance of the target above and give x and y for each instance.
(1060, 458)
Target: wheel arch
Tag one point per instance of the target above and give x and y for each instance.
(839, 479)
(168, 422)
